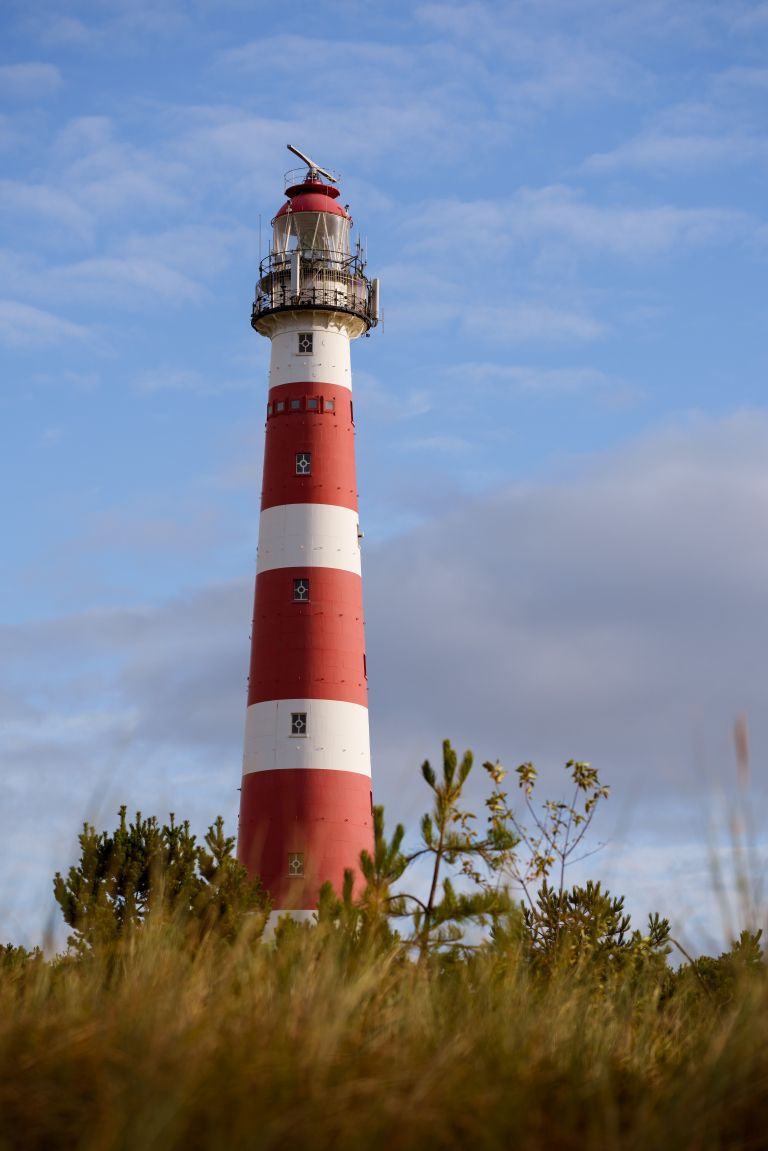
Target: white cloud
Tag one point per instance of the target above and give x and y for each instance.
(615, 616)
(188, 380)
(745, 77)
(531, 320)
(375, 400)
(501, 379)
(106, 175)
(623, 231)
(87, 381)
(129, 280)
(158, 530)
(29, 81)
(423, 299)
(536, 57)
(280, 53)
(174, 380)
(656, 151)
(212, 134)
(177, 264)
(25, 326)
(90, 179)
(197, 249)
(66, 30)
(46, 202)
(117, 27)
(561, 213)
(619, 29)
(112, 279)
(437, 443)
(402, 87)
(750, 18)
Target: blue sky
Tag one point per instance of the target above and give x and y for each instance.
(562, 428)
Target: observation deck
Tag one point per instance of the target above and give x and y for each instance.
(312, 279)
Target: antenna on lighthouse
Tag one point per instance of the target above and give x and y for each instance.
(314, 169)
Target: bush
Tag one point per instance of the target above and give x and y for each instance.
(144, 870)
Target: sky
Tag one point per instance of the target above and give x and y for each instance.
(562, 430)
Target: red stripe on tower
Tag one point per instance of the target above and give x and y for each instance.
(306, 800)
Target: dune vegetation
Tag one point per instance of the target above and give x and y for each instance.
(496, 1008)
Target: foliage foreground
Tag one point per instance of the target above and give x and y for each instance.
(304, 1044)
(175, 1022)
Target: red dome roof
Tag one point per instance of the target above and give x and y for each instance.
(312, 196)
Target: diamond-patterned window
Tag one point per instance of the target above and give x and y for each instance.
(295, 863)
(298, 723)
(305, 343)
(303, 463)
(301, 590)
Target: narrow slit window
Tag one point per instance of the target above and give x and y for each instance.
(313, 404)
(298, 723)
(303, 463)
(295, 863)
(305, 343)
(301, 590)
(351, 411)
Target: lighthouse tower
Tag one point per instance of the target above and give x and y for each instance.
(306, 799)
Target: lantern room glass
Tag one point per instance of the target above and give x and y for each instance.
(316, 234)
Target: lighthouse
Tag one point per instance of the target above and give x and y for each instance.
(306, 799)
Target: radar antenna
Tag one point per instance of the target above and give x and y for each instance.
(314, 169)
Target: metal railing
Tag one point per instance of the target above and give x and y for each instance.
(301, 175)
(325, 282)
(329, 259)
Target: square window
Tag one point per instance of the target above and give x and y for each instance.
(298, 723)
(303, 463)
(313, 403)
(329, 405)
(295, 405)
(280, 406)
(301, 590)
(305, 343)
(295, 863)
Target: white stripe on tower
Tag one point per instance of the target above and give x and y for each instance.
(330, 358)
(306, 801)
(337, 736)
(318, 535)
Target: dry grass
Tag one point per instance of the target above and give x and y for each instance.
(301, 1046)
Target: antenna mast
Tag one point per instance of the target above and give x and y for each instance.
(314, 169)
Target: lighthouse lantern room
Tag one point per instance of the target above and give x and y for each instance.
(306, 799)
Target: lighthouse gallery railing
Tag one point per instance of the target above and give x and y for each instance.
(324, 282)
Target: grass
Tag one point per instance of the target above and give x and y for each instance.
(305, 1045)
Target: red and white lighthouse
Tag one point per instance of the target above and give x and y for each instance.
(306, 799)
